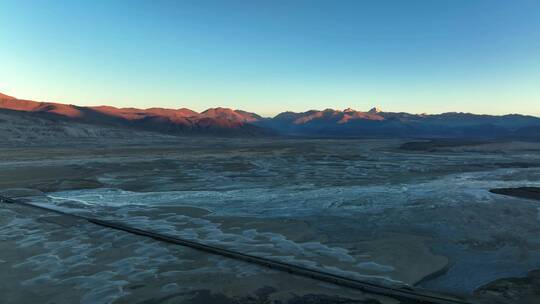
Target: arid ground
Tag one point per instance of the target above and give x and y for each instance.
(364, 209)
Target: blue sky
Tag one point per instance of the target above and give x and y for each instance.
(272, 56)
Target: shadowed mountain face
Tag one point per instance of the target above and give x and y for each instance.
(326, 123)
(375, 123)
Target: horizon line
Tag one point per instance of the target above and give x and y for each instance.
(266, 115)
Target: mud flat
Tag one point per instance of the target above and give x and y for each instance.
(359, 208)
(437, 144)
(525, 290)
(470, 145)
(522, 192)
(62, 260)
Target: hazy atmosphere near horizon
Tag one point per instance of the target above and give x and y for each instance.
(273, 56)
(270, 152)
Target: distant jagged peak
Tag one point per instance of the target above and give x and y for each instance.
(349, 110)
(375, 110)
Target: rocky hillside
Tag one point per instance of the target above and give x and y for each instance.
(377, 123)
(218, 121)
(313, 123)
(20, 128)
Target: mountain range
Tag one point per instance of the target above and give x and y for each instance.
(313, 123)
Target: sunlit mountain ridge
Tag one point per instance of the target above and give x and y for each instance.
(324, 123)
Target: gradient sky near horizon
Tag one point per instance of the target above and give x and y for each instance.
(271, 56)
